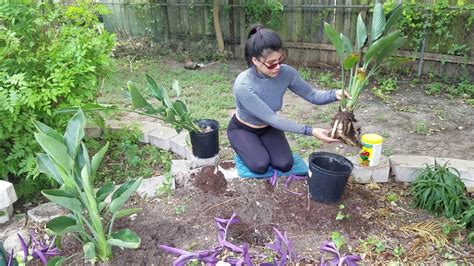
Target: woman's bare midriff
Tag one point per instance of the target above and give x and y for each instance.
(248, 124)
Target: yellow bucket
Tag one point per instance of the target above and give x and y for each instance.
(371, 149)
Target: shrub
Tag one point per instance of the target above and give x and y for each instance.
(439, 189)
(50, 56)
(66, 160)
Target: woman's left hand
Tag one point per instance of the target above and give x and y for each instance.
(339, 94)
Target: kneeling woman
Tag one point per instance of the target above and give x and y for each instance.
(256, 131)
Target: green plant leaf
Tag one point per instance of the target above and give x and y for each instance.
(153, 88)
(75, 133)
(56, 261)
(393, 17)
(56, 150)
(333, 36)
(63, 224)
(176, 88)
(166, 98)
(378, 22)
(46, 166)
(346, 43)
(125, 238)
(97, 159)
(379, 45)
(123, 193)
(361, 33)
(89, 250)
(63, 198)
(350, 61)
(88, 107)
(126, 212)
(180, 108)
(104, 191)
(48, 131)
(138, 101)
(379, 58)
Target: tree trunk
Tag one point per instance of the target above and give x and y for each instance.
(217, 26)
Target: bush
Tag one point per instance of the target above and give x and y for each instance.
(50, 56)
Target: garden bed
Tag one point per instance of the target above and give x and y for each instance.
(377, 222)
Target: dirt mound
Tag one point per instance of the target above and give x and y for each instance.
(210, 181)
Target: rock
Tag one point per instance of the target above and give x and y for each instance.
(5, 214)
(13, 241)
(7, 194)
(147, 188)
(465, 168)
(161, 136)
(405, 167)
(16, 222)
(366, 174)
(45, 212)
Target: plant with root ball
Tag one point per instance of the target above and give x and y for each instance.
(362, 63)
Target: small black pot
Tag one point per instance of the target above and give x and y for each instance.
(205, 145)
(329, 174)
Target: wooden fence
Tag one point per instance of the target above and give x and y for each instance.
(301, 28)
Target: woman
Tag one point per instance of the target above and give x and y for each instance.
(256, 131)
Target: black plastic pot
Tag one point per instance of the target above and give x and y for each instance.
(205, 145)
(329, 174)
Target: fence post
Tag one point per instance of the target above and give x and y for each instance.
(243, 34)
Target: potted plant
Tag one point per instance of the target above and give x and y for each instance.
(204, 133)
(362, 64)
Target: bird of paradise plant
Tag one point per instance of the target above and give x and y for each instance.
(362, 63)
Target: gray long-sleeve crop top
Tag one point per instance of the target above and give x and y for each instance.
(259, 97)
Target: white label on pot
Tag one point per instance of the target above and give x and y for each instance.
(309, 173)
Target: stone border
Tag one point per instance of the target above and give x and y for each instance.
(402, 167)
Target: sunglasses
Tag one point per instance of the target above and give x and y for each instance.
(274, 65)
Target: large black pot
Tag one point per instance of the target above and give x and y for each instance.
(328, 177)
(205, 145)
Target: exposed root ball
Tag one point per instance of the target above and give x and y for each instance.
(343, 128)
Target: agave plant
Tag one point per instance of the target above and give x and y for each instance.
(362, 63)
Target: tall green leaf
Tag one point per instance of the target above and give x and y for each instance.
(176, 88)
(97, 159)
(350, 61)
(166, 98)
(48, 131)
(393, 17)
(89, 250)
(380, 57)
(154, 89)
(125, 238)
(63, 198)
(75, 133)
(346, 43)
(333, 36)
(361, 33)
(379, 45)
(56, 150)
(46, 166)
(63, 224)
(126, 212)
(104, 191)
(378, 22)
(123, 193)
(56, 261)
(138, 101)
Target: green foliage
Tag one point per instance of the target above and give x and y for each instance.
(67, 161)
(387, 87)
(392, 197)
(433, 88)
(444, 26)
(338, 239)
(172, 111)
(340, 215)
(373, 244)
(421, 128)
(267, 12)
(128, 157)
(439, 189)
(305, 73)
(50, 56)
(381, 45)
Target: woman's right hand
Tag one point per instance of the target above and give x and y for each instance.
(323, 134)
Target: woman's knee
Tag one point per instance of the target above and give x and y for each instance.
(259, 166)
(283, 164)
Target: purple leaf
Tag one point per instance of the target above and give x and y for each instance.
(329, 246)
(274, 179)
(222, 234)
(10, 260)
(41, 256)
(181, 261)
(247, 260)
(24, 247)
(350, 260)
(174, 250)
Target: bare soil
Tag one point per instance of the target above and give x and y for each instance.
(307, 222)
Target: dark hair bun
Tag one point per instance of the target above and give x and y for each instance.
(254, 30)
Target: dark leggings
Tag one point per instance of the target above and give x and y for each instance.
(260, 147)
